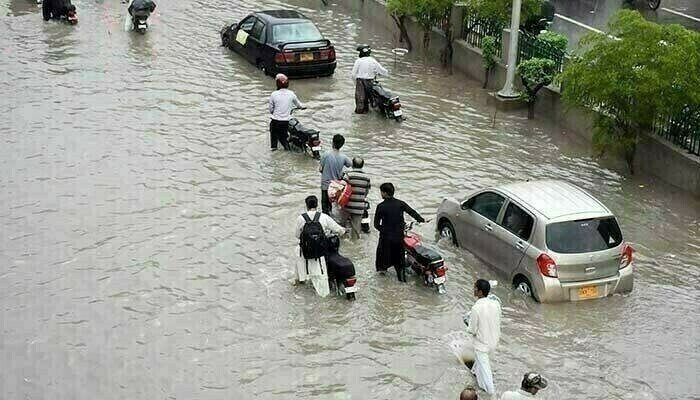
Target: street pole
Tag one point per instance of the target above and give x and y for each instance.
(508, 90)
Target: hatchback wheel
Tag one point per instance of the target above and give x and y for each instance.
(523, 285)
(447, 231)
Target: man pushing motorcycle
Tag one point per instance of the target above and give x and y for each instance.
(364, 71)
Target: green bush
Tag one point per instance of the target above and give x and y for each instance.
(554, 39)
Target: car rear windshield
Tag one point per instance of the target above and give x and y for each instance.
(297, 32)
(584, 235)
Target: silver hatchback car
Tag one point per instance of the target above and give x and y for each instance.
(551, 239)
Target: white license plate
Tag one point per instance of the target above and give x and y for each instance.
(398, 113)
(142, 26)
(316, 148)
(439, 280)
(351, 289)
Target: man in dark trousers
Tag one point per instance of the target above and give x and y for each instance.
(388, 220)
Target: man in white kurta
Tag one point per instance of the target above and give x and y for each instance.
(315, 269)
(366, 68)
(484, 324)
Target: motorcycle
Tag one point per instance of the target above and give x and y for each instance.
(304, 139)
(385, 102)
(140, 11)
(341, 271)
(424, 261)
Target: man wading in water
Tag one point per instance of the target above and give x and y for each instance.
(484, 324)
(366, 68)
(388, 220)
(281, 103)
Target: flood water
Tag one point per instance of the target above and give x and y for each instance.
(147, 230)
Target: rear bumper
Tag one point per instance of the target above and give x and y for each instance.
(551, 290)
(309, 70)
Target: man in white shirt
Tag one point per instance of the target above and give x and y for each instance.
(366, 68)
(532, 383)
(305, 268)
(484, 324)
(281, 103)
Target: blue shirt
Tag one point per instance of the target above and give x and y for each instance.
(332, 164)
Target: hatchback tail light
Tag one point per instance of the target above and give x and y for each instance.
(350, 282)
(547, 266)
(441, 271)
(626, 259)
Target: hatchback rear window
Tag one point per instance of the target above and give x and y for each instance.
(584, 235)
(298, 32)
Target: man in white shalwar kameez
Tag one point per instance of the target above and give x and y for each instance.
(315, 269)
(484, 324)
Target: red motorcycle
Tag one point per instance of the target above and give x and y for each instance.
(424, 261)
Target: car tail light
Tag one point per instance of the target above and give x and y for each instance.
(350, 282)
(441, 271)
(327, 54)
(284, 57)
(396, 105)
(626, 259)
(547, 266)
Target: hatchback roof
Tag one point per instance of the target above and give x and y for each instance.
(554, 199)
(279, 15)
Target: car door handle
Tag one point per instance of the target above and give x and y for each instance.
(488, 227)
(520, 245)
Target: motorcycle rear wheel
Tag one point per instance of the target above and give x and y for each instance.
(350, 296)
(441, 288)
(316, 154)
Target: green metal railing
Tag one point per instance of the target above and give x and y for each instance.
(475, 29)
(529, 46)
(683, 130)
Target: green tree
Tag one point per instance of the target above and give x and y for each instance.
(399, 11)
(641, 71)
(498, 11)
(489, 57)
(535, 74)
(436, 13)
(554, 40)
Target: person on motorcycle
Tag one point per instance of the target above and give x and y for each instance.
(364, 71)
(282, 102)
(306, 267)
(388, 220)
(56, 9)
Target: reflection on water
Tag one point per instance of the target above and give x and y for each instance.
(148, 231)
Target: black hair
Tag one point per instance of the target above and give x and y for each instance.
(483, 286)
(338, 141)
(282, 85)
(311, 202)
(358, 162)
(387, 188)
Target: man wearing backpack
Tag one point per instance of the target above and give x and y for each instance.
(311, 230)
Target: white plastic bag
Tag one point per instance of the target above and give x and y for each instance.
(128, 23)
(319, 276)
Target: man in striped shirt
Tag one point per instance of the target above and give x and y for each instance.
(355, 209)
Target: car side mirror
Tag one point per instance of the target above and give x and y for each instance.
(467, 204)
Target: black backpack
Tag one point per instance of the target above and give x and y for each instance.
(313, 239)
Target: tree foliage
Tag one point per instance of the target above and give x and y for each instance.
(535, 74)
(554, 39)
(499, 11)
(639, 72)
(489, 57)
(400, 10)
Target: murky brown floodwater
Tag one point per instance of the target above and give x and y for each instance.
(147, 230)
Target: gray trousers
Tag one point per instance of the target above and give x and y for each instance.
(355, 221)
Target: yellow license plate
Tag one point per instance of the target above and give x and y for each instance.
(588, 292)
(306, 57)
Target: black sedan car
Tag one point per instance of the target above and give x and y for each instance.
(281, 41)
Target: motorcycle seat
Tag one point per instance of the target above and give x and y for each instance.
(381, 92)
(427, 256)
(339, 267)
(297, 126)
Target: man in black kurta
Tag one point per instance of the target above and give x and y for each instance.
(388, 220)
